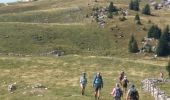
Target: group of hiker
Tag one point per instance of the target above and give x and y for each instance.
(117, 92)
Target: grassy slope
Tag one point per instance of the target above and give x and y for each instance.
(22, 31)
(13, 34)
(61, 76)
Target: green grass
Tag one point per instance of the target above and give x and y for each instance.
(165, 88)
(61, 76)
(41, 38)
(39, 27)
(57, 15)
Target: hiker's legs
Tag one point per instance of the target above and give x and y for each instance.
(95, 93)
(82, 89)
(117, 98)
(98, 93)
(124, 89)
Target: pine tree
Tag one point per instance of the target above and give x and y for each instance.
(154, 32)
(151, 31)
(157, 33)
(136, 5)
(146, 10)
(133, 46)
(112, 8)
(163, 47)
(110, 15)
(168, 69)
(131, 5)
(166, 34)
(137, 17)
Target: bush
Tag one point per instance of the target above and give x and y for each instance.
(133, 46)
(110, 15)
(122, 18)
(146, 10)
(134, 5)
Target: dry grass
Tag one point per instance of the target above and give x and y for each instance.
(61, 76)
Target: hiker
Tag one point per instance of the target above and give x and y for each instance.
(132, 93)
(83, 82)
(161, 75)
(121, 76)
(117, 92)
(98, 84)
(125, 82)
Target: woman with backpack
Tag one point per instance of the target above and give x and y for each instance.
(132, 93)
(83, 82)
(97, 84)
(117, 92)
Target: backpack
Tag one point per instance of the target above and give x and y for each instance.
(98, 80)
(133, 94)
(83, 80)
(118, 92)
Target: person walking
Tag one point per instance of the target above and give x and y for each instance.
(121, 76)
(161, 76)
(117, 92)
(132, 93)
(97, 84)
(83, 82)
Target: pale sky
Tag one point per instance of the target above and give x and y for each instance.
(6, 1)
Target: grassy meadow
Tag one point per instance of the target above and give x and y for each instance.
(39, 27)
(61, 76)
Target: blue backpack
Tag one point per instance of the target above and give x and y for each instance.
(98, 80)
(118, 92)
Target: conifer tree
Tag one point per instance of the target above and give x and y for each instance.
(146, 10)
(136, 5)
(163, 47)
(166, 34)
(154, 32)
(112, 8)
(137, 19)
(168, 69)
(133, 46)
(131, 5)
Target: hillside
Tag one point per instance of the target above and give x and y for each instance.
(66, 27)
(30, 31)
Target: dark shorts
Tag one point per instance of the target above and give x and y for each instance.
(98, 87)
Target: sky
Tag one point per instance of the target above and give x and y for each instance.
(6, 1)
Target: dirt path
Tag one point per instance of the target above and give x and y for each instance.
(140, 61)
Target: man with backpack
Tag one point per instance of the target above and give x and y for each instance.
(125, 82)
(132, 94)
(117, 92)
(83, 82)
(98, 84)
